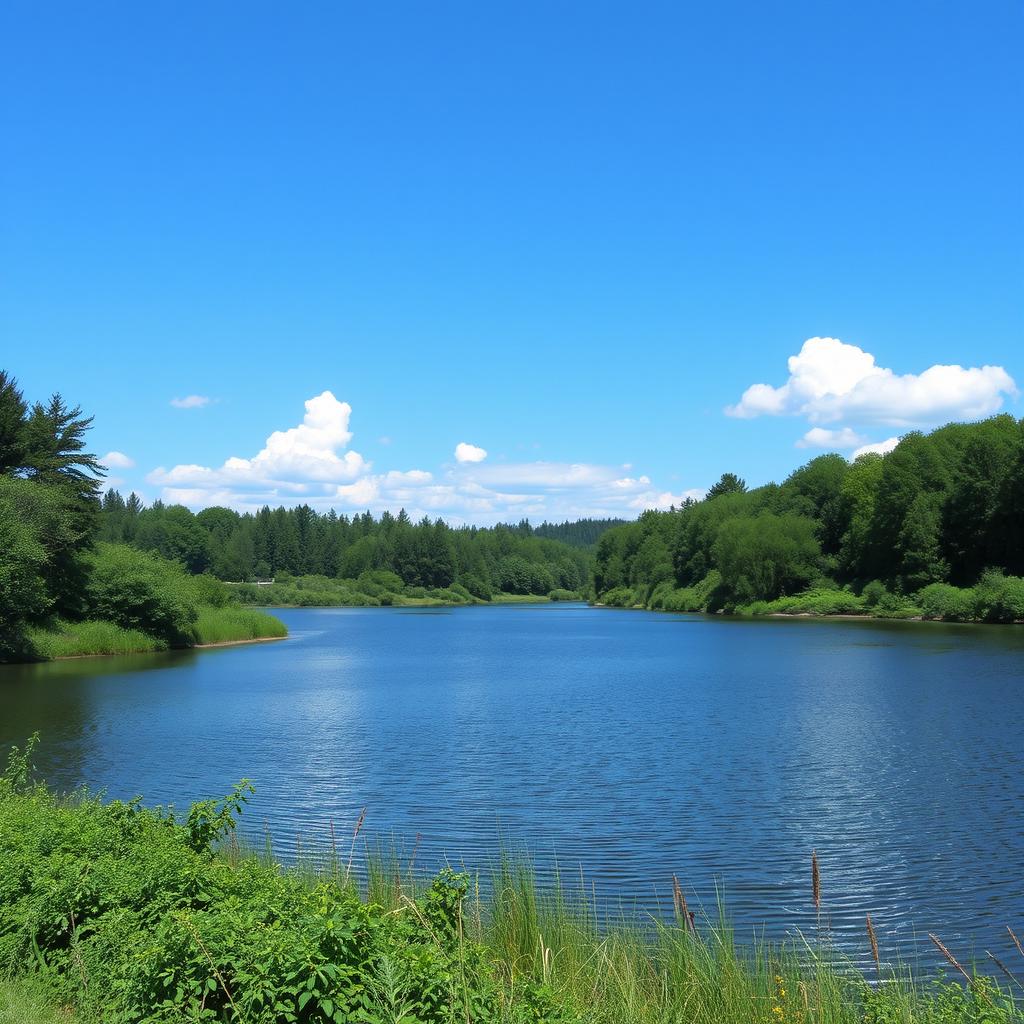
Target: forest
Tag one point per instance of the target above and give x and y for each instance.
(934, 529)
(422, 557)
(82, 572)
(63, 591)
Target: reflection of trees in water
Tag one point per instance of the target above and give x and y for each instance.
(59, 700)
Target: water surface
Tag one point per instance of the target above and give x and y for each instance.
(635, 745)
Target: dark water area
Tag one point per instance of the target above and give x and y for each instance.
(630, 745)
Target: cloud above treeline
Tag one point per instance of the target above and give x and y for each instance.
(312, 462)
(832, 382)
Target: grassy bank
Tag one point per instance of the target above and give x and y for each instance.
(228, 625)
(373, 589)
(127, 914)
(996, 598)
(97, 637)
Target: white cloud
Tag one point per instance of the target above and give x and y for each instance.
(830, 381)
(666, 499)
(190, 402)
(820, 437)
(469, 453)
(311, 463)
(880, 448)
(290, 462)
(117, 460)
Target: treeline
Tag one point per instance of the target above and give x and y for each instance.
(302, 542)
(935, 527)
(63, 591)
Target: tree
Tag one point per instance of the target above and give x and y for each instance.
(12, 425)
(728, 483)
(767, 556)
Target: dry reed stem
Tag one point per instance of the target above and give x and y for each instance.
(874, 945)
(681, 909)
(952, 959)
(815, 880)
(1016, 941)
(1006, 970)
(355, 835)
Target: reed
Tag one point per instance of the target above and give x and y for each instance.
(873, 939)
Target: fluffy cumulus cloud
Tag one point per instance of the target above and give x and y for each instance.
(312, 463)
(190, 402)
(830, 381)
(291, 462)
(469, 453)
(117, 460)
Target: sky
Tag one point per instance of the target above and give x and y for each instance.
(488, 261)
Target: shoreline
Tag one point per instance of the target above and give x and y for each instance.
(162, 650)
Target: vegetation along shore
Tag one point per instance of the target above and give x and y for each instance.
(117, 913)
(934, 529)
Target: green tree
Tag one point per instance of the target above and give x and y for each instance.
(728, 483)
(13, 411)
(767, 556)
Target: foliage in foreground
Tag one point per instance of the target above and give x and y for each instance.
(128, 914)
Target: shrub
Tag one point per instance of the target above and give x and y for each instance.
(128, 914)
(829, 601)
(619, 597)
(946, 602)
(477, 587)
(381, 580)
(561, 594)
(873, 593)
(140, 590)
(999, 598)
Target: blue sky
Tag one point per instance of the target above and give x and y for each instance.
(569, 235)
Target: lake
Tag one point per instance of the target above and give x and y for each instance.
(632, 745)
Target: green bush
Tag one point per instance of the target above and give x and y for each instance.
(811, 602)
(620, 597)
(142, 591)
(477, 587)
(128, 914)
(560, 594)
(873, 593)
(999, 598)
(946, 602)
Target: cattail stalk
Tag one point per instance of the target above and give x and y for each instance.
(815, 881)
(874, 945)
(952, 959)
(679, 903)
(1016, 941)
(1006, 970)
(355, 835)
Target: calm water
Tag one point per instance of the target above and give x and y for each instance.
(633, 744)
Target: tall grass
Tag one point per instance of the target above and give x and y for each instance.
(610, 966)
(97, 637)
(225, 625)
(27, 1001)
(92, 637)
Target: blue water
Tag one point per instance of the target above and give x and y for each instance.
(632, 745)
